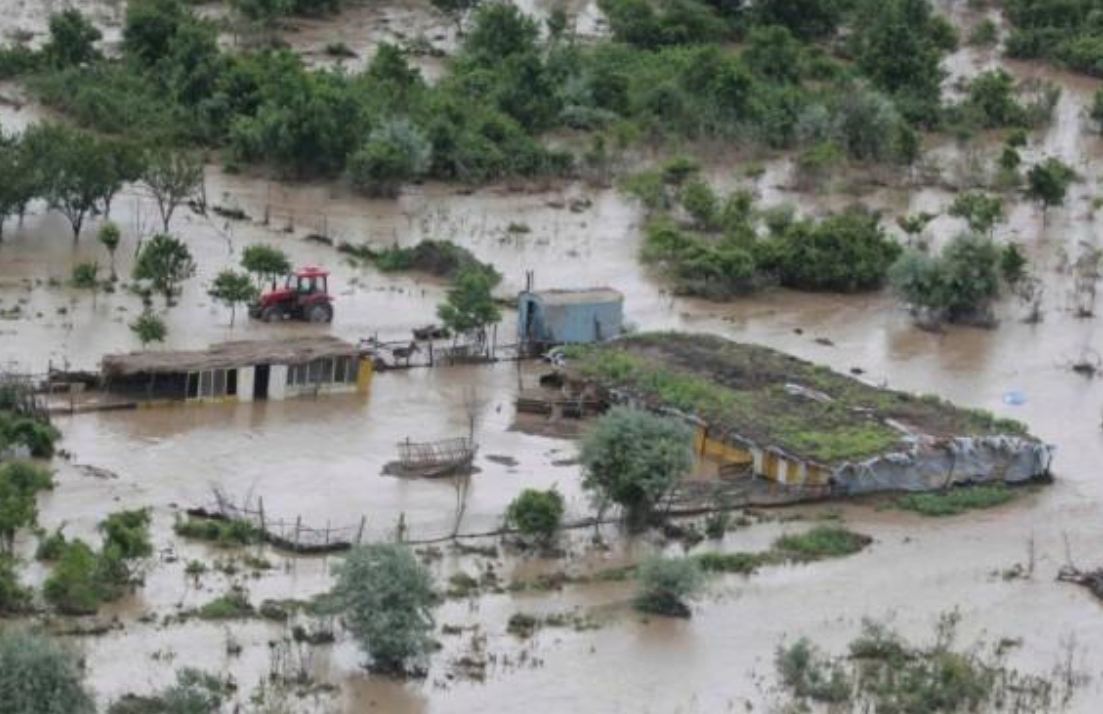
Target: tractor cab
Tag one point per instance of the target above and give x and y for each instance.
(304, 296)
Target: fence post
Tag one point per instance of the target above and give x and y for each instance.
(263, 525)
(360, 532)
(327, 533)
(298, 527)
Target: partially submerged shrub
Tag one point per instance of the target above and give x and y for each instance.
(14, 598)
(386, 596)
(536, 514)
(74, 586)
(223, 533)
(40, 676)
(664, 584)
(633, 458)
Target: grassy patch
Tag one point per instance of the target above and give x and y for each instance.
(957, 500)
(223, 533)
(234, 605)
(821, 542)
(741, 563)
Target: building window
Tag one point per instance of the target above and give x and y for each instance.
(212, 383)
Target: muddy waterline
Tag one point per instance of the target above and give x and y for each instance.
(322, 459)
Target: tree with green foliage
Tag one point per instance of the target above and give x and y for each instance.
(773, 54)
(232, 288)
(265, 262)
(980, 210)
(898, 45)
(960, 284)
(72, 40)
(18, 178)
(20, 484)
(469, 307)
(632, 458)
(173, 178)
(664, 584)
(165, 262)
(150, 27)
(386, 597)
(109, 237)
(914, 224)
(396, 152)
(1048, 182)
(845, 252)
(807, 19)
(40, 676)
(991, 100)
(72, 169)
(536, 514)
(149, 328)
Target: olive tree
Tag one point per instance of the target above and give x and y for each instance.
(632, 458)
(165, 262)
(40, 676)
(232, 288)
(387, 597)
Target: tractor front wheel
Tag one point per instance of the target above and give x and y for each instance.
(322, 312)
(272, 314)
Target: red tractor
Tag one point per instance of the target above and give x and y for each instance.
(304, 296)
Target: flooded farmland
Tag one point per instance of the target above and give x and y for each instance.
(322, 460)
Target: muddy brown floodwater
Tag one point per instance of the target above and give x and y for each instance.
(322, 459)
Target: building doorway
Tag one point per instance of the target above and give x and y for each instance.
(261, 374)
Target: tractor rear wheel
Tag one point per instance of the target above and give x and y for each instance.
(322, 312)
(272, 313)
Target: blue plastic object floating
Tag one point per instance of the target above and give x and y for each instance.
(1014, 397)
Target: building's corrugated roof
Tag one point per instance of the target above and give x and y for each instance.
(579, 297)
(227, 355)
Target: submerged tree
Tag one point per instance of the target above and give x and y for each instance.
(980, 210)
(387, 597)
(40, 676)
(470, 306)
(148, 328)
(232, 288)
(173, 178)
(1048, 182)
(632, 459)
(265, 262)
(109, 237)
(960, 284)
(536, 514)
(165, 262)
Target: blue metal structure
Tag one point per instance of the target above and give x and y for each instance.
(569, 316)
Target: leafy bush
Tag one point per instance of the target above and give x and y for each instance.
(386, 596)
(396, 152)
(20, 484)
(40, 676)
(74, 586)
(633, 458)
(664, 584)
(845, 252)
(959, 284)
(536, 514)
(37, 435)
